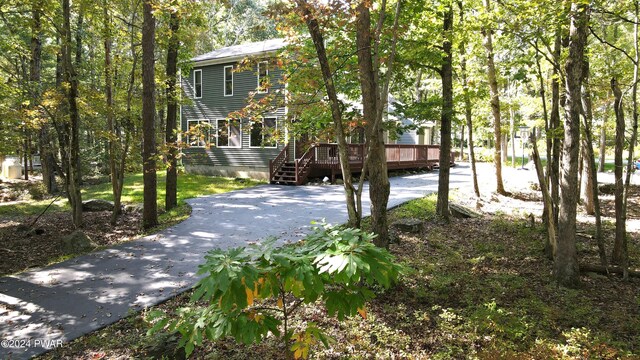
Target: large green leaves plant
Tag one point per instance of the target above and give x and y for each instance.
(253, 291)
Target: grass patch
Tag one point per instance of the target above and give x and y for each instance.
(189, 186)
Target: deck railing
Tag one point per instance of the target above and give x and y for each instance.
(304, 165)
(398, 155)
(276, 164)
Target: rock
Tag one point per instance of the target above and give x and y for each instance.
(339, 182)
(77, 242)
(93, 205)
(462, 212)
(132, 209)
(410, 225)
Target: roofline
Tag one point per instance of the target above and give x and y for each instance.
(232, 59)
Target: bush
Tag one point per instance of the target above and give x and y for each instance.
(484, 154)
(253, 291)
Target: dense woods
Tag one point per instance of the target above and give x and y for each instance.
(94, 90)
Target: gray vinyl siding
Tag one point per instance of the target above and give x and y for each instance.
(214, 105)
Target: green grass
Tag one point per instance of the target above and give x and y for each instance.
(189, 186)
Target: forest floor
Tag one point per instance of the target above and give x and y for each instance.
(476, 288)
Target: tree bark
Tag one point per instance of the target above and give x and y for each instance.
(603, 140)
(555, 133)
(379, 186)
(495, 102)
(468, 106)
(590, 162)
(620, 238)
(566, 269)
(446, 72)
(551, 243)
(171, 198)
(150, 210)
(336, 113)
(73, 160)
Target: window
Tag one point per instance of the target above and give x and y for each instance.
(263, 77)
(228, 133)
(228, 80)
(197, 84)
(199, 132)
(262, 133)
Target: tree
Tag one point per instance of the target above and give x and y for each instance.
(171, 198)
(72, 161)
(446, 73)
(495, 101)
(566, 269)
(150, 210)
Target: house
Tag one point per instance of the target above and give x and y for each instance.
(224, 140)
(218, 86)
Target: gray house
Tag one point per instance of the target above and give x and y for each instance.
(228, 141)
(218, 86)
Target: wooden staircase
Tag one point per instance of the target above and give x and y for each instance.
(285, 175)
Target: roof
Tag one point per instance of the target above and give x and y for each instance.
(238, 51)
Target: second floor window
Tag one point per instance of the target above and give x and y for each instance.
(197, 84)
(263, 77)
(228, 80)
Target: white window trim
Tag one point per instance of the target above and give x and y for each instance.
(189, 136)
(258, 88)
(227, 146)
(275, 146)
(194, 84)
(224, 80)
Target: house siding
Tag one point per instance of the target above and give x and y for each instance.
(214, 105)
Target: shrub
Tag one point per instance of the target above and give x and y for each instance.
(253, 291)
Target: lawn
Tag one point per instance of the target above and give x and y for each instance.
(475, 288)
(189, 186)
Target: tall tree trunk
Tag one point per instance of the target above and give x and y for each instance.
(468, 106)
(114, 139)
(554, 121)
(336, 113)
(566, 269)
(150, 210)
(512, 133)
(551, 243)
(547, 212)
(379, 186)
(171, 198)
(446, 72)
(73, 161)
(462, 142)
(495, 102)
(620, 239)
(586, 188)
(603, 139)
(590, 161)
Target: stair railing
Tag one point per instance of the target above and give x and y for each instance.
(304, 165)
(276, 164)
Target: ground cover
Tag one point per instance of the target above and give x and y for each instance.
(476, 288)
(26, 244)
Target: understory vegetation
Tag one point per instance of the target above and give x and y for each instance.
(473, 288)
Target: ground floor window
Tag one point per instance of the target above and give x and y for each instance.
(228, 133)
(263, 133)
(199, 133)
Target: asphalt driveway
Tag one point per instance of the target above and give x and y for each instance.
(47, 307)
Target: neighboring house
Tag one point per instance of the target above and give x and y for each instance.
(218, 85)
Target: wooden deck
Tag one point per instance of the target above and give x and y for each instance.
(322, 160)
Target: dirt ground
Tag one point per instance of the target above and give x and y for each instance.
(25, 244)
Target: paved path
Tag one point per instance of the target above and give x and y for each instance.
(43, 308)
